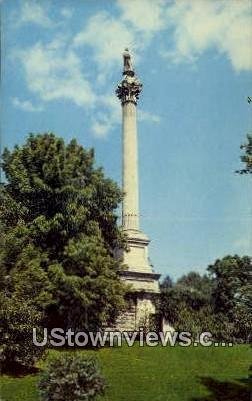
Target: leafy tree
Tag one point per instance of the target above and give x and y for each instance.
(166, 283)
(246, 158)
(232, 292)
(60, 232)
(200, 287)
(71, 377)
(195, 281)
(190, 293)
(232, 278)
(220, 302)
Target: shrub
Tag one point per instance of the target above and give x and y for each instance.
(71, 377)
(17, 351)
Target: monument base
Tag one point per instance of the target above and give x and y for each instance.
(144, 286)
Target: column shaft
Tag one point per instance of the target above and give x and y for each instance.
(130, 212)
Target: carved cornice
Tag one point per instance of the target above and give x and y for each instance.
(138, 274)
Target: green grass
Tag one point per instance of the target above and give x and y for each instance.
(159, 374)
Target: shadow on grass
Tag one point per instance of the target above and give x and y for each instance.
(16, 370)
(225, 391)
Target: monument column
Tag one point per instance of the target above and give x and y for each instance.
(139, 274)
(128, 92)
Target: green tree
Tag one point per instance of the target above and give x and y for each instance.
(232, 293)
(181, 303)
(197, 285)
(246, 157)
(232, 279)
(166, 283)
(59, 231)
(220, 302)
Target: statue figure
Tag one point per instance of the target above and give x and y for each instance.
(127, 65)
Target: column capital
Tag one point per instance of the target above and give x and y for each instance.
(128, 90)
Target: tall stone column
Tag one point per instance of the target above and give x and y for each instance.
(140, 274)
(128, 92)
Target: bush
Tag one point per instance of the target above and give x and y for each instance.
(71, 377)
(17, 351)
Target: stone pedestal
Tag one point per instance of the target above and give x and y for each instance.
(143, 282)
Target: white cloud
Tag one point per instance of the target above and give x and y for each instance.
(25, 105)
(147, 116)
(107, 117)
(54, 71)
(108, 37)
(33, 12)
(191, 27)
(200, 25)
(133, 28)
(66, 12)
(144, 15)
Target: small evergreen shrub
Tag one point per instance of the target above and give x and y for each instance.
(71, 377)
(17, 351)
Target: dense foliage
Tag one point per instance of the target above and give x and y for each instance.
(220, 302)
(232, 294)
(58, 234)
(71, 377)
(246, 158)
(18, 319)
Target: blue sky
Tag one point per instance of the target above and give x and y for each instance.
(61, 61)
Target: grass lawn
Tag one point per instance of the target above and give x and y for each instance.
(159, 374)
